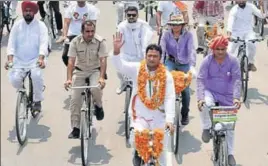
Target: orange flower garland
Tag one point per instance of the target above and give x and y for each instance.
(144, 149)
(159, 87)
(181, 80)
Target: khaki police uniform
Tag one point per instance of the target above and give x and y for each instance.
(87, 65)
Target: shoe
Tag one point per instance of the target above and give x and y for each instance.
(99, 112)
(199, 49)
(185, 120)
(231, 160)
(136, 159)
(74, 134)
(36, 109)
(206, 136)
(120, 89)
(252, 67)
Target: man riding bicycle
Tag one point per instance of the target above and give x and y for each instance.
(137, 34)
(240, 24)
(179, 54)
(24, 56)
(56, 8)
(206, 12)
(219, 81)
(87, 58)
(150, 78)
(76, 13)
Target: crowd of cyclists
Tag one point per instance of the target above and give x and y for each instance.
(149, 65)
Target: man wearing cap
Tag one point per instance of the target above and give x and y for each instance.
(179, 54)
(137, 35)
(27, 45)
(218, 81)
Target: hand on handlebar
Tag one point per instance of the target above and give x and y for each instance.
(8, 65)
(170, 127)
(200, 105)
(237, 103)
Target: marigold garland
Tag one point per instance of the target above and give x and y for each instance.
(159, 87)
(181, 80)
(143, 147)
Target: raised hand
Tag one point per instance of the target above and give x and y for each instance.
(117, 42)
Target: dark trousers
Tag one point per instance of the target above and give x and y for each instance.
(66, 50)
(56, 8)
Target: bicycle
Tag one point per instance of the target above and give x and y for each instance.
(223, 119)
(176, 135)
(5, 17)
(242, 56)
(24, 105)
(259, 22)
(87, 113)
(151, 133)
(128, 91)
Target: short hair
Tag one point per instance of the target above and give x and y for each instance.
(132, 8)
(154, 47)
(87, 23)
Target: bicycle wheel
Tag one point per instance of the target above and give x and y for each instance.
(52, 26)
(127, 118)
(176, 134)
(21, 117)
(260, 26)
(146, 13)
(244, 77)
(85, 132)
(9, 21)
(223, 153)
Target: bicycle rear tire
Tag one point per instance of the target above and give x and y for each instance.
(127, 118)
(146, 13)
(21, 133)
(244, 77)
(9, 21)
(176, 142)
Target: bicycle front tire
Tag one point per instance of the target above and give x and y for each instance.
(223, 153)
(52, 22)
(21, 106)
(177, 129)
(127, 118)
(85, 132)
(244, 77)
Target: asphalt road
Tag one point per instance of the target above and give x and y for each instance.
(48, 144)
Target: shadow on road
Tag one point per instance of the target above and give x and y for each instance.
(98, 154)
(67, 103)
(35, 131)
(121, 129)
(255, 97)
(188, 144)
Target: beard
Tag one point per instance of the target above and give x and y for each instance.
(28, 18)
(243, 5)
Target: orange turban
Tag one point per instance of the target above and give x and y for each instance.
(29, 4)
(218, 41)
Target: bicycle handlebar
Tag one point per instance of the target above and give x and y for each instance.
(223, 108)
(244, 41)
(85, 87)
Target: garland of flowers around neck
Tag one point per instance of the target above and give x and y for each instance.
(159, 87)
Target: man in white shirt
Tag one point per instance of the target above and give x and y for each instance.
(137, 34)
(27, 46)
(240, 24)
(167, 8)
(74, 16)
(149, 77)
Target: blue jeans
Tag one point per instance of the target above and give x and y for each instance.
(185, 94)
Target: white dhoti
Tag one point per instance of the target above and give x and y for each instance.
(156, 123)
(206, 121)
(16, 78)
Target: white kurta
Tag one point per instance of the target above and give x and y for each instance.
(240, 24)
(26, 42)
(146, 118)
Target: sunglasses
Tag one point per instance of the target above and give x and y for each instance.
(131, 15)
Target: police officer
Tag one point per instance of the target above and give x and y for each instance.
(87, 59)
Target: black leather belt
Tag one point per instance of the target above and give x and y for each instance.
(173, 59)
(105, 77)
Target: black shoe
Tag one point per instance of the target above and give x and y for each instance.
(198, 50)
(185, 120)
(99, 112)
(74, 134)
(136, 159)
(36, 109)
